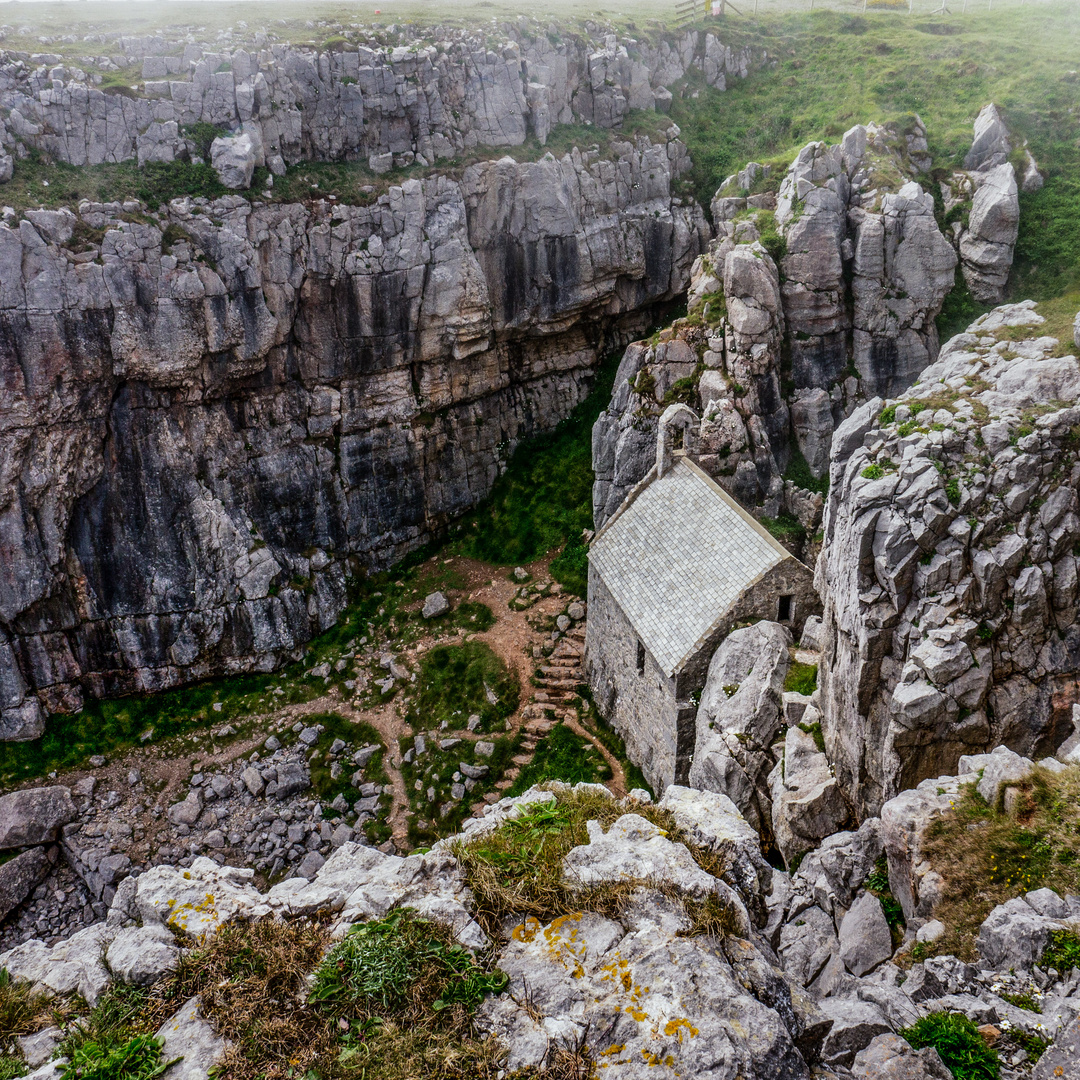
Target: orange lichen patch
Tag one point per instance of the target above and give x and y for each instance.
(179, 915)
(566, 949)
(677, 1027)
(652, 1059)
(527, 930)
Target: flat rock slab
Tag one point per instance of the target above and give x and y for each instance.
(188, 1035)
(33, 816)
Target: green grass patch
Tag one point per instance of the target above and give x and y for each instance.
(38, 180)
(112, 726)
(563, 755)
(987, 857)
(457, 681)
(544, 499)
(957, 1040)
(1063, 951)
(798, 472)
(801, 678)
(786, 528)
(383, 966)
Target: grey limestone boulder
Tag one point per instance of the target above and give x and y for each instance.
(634, 849)
(986, 246)
(992, 144)
(21, 875)
(865, 937)
(740, 716)
(435, 604)
(7, 167)
(855, 1026)
(1063, 1058)
(140, 955)
(890, 1057)
(34, 815)
(721, 1027)
(997, 770)
(807, 804)
(1015, 935)
(233, 158)
(187, 811)
(713, 822)
(73, 965)
(807, 943)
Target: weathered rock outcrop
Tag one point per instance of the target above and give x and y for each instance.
(863, 272)
(644, 992)
(211, 417)
(363, 99)
(948, 569)
(740, 717)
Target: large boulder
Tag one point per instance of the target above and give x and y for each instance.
(890, 1057)
(34, 815)
(865, 937)
(807, 804)
(233, 158)
(987, 244)
(1063, 1058)
(141, 955)
(713, 822)
(188, 1035)
(21, 875)
(651, 1004)
(739, 718)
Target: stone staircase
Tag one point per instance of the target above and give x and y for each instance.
(557, 676)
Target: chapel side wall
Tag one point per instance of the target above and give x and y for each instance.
(641, 708)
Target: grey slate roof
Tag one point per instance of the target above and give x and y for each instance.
(676, 556)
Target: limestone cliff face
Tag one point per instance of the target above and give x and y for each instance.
(389, 104)
(846, 311)
(209, 418)
(948, 570)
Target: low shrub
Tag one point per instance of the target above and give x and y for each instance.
(957, 1040)
(1063, 950)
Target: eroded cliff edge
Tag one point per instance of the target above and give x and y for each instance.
(214, 414)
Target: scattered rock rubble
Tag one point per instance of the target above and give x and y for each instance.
(805, 979)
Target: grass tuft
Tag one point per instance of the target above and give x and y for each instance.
(987, 857)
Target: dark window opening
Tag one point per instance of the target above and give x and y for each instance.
(640, 658)
(783, 609)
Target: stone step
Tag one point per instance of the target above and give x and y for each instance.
(562, 661)
(537, 710)
(561, 671)
(519, 759)
(539, 726)
(548, 683)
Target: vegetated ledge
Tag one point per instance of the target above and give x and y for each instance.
(448, 961)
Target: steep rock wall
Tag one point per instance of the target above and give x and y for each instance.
(948, 570)
(210, 418)
(788, 348)
(359, 100)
